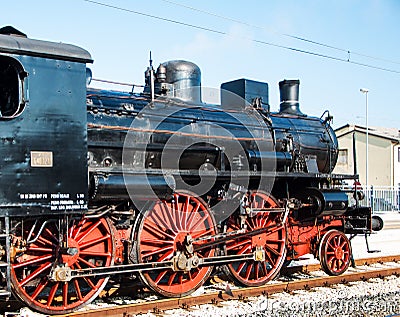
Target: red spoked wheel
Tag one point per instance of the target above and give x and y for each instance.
(163, 234)
(269, 247)
(335, 252)
(90, 245)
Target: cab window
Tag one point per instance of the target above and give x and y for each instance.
(12, 77)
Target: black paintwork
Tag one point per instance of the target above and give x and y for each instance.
(193, 137)
(53, 121)
(167, 136)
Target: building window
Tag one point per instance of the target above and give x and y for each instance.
(343, 157)
(12, 78)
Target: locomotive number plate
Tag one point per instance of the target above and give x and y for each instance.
(41, 159)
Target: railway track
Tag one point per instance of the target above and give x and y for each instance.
(363, 272)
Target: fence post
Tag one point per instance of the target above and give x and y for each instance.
(398, 197)
(371, 198)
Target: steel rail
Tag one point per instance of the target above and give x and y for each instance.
(307, 268)
(216, 297)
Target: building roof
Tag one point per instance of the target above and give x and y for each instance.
(392, 134)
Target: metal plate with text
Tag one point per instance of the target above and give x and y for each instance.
(41, 159)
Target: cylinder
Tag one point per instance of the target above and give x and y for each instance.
(335, 202)
(322, 202)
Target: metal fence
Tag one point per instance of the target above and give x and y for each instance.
(382, 198)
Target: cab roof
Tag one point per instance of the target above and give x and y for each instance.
(13, 41)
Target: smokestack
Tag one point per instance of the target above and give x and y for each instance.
(289, 95)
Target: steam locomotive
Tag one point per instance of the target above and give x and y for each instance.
(157, 185)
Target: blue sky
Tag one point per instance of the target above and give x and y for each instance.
(120, 42)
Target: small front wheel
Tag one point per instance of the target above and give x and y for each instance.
(335, 252)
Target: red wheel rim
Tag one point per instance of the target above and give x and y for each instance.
(93, 241)
(335, 252)
(255, 273)
(161, 233)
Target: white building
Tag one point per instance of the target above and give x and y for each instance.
(383, 154)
